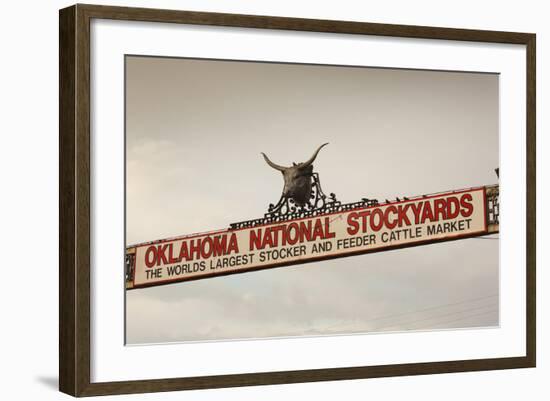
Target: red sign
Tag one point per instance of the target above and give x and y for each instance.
(368, 229)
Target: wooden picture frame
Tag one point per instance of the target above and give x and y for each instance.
(74, 204)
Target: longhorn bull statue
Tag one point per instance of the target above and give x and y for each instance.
(298, 178)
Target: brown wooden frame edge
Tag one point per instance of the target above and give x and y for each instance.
(74, 200)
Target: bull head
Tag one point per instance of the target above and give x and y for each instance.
(297, 178)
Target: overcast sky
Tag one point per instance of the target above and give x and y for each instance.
(194, 133)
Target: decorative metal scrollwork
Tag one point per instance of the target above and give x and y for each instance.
(129, 264)
(319, 204)
(317, 201)
(493, 205)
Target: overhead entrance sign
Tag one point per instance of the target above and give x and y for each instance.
(352, 232)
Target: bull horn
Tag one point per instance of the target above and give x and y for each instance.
(275, 166)
(312, 159)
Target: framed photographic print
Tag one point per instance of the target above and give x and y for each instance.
(250, 200)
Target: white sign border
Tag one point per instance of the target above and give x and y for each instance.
(112, 361)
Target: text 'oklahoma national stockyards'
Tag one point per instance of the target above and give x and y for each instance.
(361, 230)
